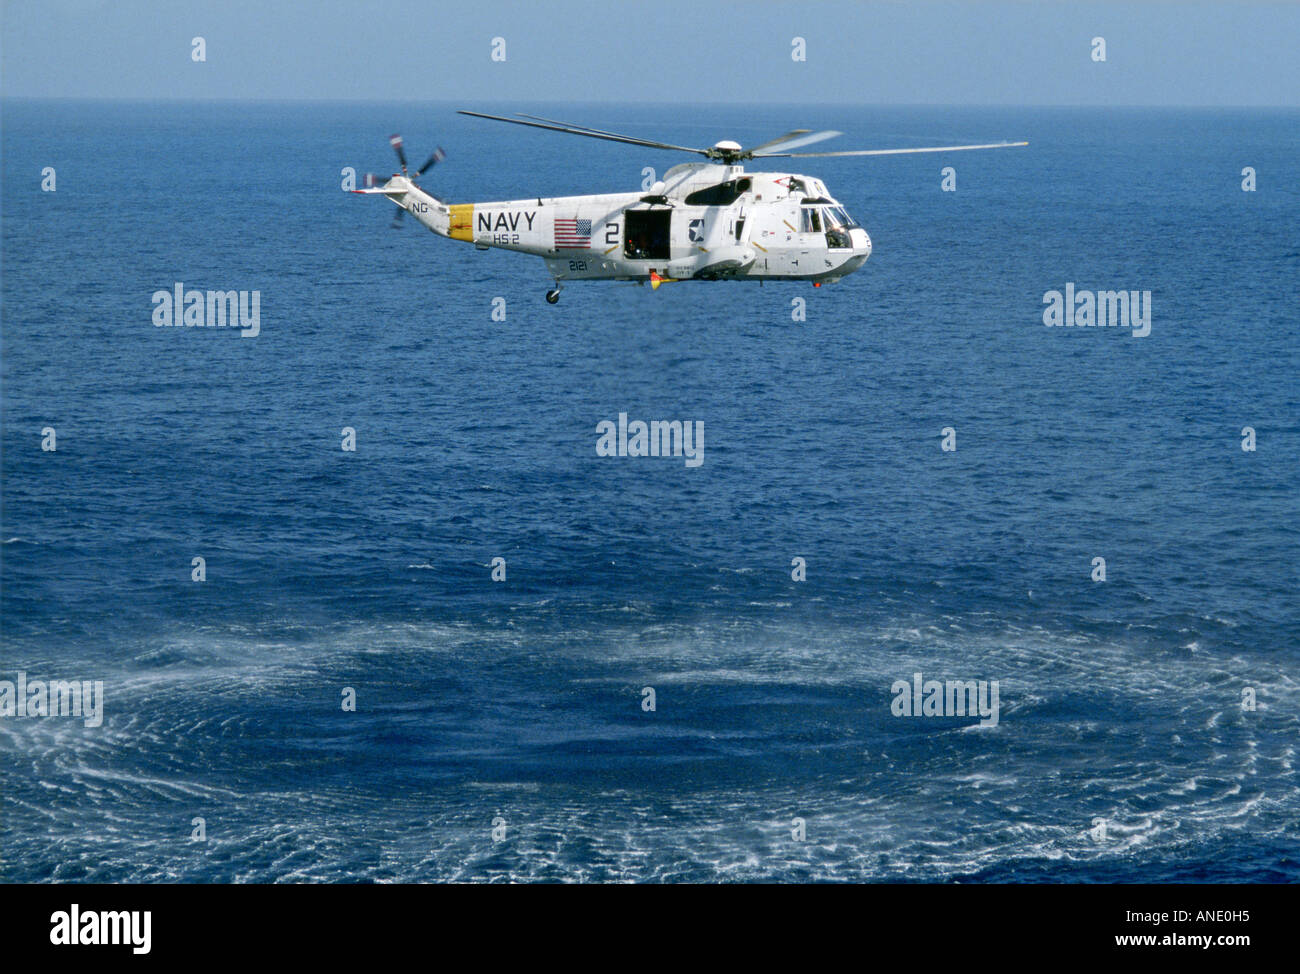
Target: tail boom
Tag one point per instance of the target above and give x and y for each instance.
(425, 207)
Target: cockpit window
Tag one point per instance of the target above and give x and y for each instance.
(812, 222)
(723, 194)
(837, 216)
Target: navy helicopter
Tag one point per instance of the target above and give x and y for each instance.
(704, 221)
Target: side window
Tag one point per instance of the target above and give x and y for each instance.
(812, 222)
(723, 194)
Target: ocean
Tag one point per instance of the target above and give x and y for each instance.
(502, 730)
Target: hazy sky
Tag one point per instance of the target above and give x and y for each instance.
(1157, 53)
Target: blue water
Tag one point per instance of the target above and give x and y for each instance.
(521, 700)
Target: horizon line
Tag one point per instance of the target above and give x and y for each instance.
(652, 102)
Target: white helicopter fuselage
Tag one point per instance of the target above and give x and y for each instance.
(705, 221)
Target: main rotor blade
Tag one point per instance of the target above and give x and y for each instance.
(791, 139)
(886, 152)
(572, 125)
(590, 133)
(793, 133)
(795, 139)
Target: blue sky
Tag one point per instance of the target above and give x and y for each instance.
(1159, 53)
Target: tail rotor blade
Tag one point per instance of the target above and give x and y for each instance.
(397, 220)
(396, 142)
(437, 157)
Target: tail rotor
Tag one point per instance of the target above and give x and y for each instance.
(374, 183)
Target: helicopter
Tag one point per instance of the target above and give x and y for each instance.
(704, 221)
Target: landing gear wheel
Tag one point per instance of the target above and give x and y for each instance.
(553, 296)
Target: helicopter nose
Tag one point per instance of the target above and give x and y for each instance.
(861, 241)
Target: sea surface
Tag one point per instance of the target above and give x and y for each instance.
(500, 730)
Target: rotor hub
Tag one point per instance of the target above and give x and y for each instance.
(726, 150)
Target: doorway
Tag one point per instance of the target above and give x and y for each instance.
(647, 235)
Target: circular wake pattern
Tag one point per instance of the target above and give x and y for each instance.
(482, 754)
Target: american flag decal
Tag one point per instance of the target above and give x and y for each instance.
(571, 234)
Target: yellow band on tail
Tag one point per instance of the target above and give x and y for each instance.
(461, 224)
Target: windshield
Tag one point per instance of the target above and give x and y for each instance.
(837, 216)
